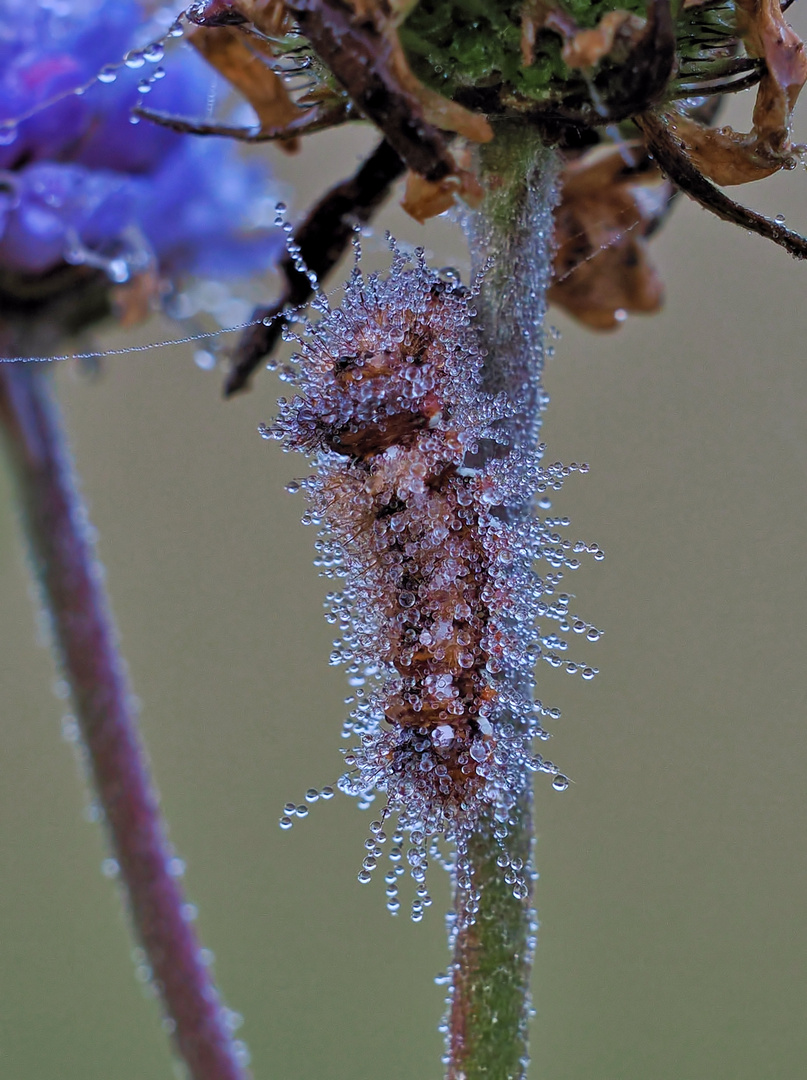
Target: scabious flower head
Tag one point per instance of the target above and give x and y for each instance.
(81, 183)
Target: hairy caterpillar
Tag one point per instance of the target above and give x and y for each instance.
(416, 493)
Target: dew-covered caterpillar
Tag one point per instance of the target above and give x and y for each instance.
(441, 607)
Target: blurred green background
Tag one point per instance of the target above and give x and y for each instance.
(673, 891)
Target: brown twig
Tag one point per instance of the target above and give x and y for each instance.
(672, 159)
(56, 526)
(312, 120)
(322, 239)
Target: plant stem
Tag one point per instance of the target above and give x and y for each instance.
(490, 1000)
(58, 532)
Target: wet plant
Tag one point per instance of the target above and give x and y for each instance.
(559, 135)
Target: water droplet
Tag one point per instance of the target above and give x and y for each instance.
(779, 219)
(204, 359)
(286, 822)
(232, 1020)
(70, 729)
(242, 1053)
(110, 868)
(134, 59)
(117, 270)
(108, 74)
(561, 782)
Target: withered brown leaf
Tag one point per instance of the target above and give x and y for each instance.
(424, 199)
(607, 209)
(730, 157)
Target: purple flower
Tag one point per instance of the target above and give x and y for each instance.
(80, 182)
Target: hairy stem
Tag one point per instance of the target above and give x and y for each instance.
(490, 1001)
(57, 529)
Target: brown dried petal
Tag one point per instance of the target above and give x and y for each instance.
(767, 34)
(587, 47)
(601, 264)
(726, 156)
(230, 53)
(424, 199)
(269, 16)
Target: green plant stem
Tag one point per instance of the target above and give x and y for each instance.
(57, 529)
(490, 1000)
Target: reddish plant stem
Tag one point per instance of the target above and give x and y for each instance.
(57, 529)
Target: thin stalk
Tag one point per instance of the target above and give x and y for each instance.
(57, 529)
(512, 234)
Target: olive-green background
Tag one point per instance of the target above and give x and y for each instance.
(672, 899)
